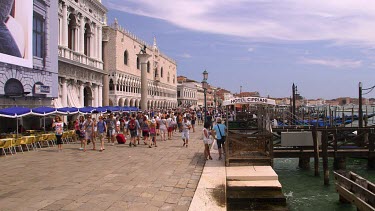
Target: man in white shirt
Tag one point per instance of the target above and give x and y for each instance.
(186, 125)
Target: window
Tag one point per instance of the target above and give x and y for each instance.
(168, 77)
(148, 66)
(111, 85)
(178, 94)
(138, 65)
(87, 39)
(38, 36)
(126, 57)
(174, 79)
(71, 32)
(161, 72)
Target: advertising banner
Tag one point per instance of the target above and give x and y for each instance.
(249, 100)
(16, 18)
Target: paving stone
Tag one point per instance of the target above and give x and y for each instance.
(161, 178)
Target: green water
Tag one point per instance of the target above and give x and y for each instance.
(304, 191)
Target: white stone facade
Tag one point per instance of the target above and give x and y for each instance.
(80, 53)
(124, 69)
(187, 94)
(17, 83)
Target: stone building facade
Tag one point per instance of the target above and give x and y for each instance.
(187, 94)
(32, 23)
(80, 53)
(124, 70)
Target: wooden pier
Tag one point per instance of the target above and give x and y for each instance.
(356, 190)
(253, 140)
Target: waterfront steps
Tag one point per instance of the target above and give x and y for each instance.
(253, 188)
(250, 161)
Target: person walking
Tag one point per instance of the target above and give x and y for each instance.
(111, 124)
(59, 129)
(170, 126)
(81, 131)
(207, 140)
(102, 131)
(133, 127)
(152, 133)
(193, 119)
(145, 130)
(89, 132)
(220, 129)
(163, 128)
(185, 129)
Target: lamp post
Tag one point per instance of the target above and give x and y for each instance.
(204, 86)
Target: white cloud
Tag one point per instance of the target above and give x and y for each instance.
(250, 49)
(336, 63)
(341, 21)
(186, 56)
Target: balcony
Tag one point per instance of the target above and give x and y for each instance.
(80, 58)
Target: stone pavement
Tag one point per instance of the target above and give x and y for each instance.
(120, 178)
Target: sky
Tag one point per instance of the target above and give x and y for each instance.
(325, 47)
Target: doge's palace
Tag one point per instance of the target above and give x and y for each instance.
(124, 68)
(80, 53)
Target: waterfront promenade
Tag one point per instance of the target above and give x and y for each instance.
(120, 178)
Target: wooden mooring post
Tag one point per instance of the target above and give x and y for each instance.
(371, 150)
(325, 157)
(316, 150)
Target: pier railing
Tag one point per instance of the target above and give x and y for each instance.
(354, 189)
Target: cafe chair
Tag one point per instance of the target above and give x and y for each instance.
(7, 145)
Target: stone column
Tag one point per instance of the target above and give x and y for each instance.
(64, 97)
(76, 39)
(100, 95)
(143, 60)
(100, 44)
(92, 42)
(82, 94)
(82, 35)
(105, 92)
(97, 95)
(65, 26)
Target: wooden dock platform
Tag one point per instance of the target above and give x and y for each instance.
(254, 188)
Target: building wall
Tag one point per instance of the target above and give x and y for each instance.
(125, 76)
(43, 70)
(80, 53)
(187, 95)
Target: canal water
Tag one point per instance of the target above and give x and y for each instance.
(304, 191)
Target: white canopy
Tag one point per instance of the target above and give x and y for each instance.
(249, 100)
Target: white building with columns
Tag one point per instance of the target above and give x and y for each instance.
(80, 53)
(124, 70)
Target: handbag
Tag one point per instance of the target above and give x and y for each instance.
(214, 145)
(210, 140)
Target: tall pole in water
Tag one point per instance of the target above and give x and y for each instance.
(294, 104)
(360, 112)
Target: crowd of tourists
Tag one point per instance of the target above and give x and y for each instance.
(145, 128)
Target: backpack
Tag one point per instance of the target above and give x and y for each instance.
(145, 127)
(132, 125)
